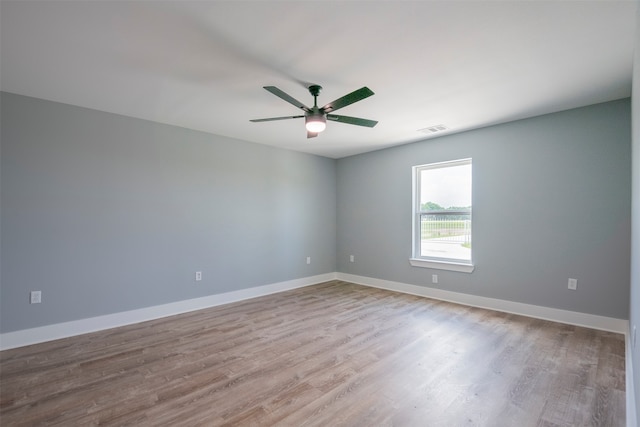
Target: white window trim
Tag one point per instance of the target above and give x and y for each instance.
(442, 265)
(438, 264)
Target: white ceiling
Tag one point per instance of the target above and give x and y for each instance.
(202, 64)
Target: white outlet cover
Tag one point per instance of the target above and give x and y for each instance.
(35, 297)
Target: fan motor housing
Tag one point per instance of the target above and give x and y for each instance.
(315, 90)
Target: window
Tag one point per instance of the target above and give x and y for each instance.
(442, 216)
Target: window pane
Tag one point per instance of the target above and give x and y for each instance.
(446, 187)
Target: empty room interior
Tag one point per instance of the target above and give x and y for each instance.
(320, 213)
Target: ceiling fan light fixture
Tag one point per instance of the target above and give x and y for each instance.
(315, 118)
(315, 123)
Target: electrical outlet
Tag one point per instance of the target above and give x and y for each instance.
(434, 278)
(573, 284)
(352, 258)
(35, 297)
(308, 260)
(198, 276)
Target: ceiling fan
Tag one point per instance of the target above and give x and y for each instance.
(316, 118)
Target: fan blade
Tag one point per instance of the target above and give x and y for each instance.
(291, 100)
(355, 96)
(352, 120)
(270, 119)
(311, 134)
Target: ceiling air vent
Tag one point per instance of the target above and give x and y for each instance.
(433, 129)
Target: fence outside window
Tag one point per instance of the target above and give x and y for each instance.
(446, 226)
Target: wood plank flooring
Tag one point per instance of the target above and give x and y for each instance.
(333, 354)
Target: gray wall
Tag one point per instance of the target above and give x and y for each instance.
(634, 317)
(105, 213)
(551, 200)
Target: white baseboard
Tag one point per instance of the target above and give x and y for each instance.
(77, 327)
(632, 416)
(56, 331)
(539, 312)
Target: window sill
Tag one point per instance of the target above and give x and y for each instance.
(442, 265)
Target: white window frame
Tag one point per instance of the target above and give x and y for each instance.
(433, 262)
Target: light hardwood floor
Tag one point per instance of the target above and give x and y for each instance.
(333, 354)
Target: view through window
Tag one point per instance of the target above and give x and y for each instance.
(442, 206)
